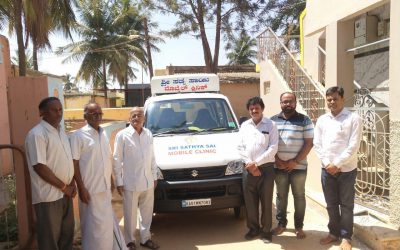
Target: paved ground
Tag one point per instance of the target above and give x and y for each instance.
(220, 230)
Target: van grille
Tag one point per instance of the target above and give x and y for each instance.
(194, 173)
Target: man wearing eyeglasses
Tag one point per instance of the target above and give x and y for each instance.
(92, 157)
(295, 142)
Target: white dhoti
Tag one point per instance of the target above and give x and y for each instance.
(145, 202)
(97, 222)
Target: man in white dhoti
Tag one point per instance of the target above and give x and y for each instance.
(93, 167)
(136, 177)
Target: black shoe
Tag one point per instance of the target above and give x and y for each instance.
(131, 246)
(266, 237)
(251, 234)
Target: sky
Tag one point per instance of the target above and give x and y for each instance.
(185, 50)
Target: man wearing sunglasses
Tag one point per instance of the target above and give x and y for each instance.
(92, 157)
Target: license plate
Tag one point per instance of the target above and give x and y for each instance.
(196, 203)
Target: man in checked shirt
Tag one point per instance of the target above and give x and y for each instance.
(257, 146)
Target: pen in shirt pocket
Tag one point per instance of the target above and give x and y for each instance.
(265, 132)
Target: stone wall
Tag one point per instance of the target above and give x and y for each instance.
(395, 172)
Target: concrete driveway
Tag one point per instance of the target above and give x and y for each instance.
(211, 230)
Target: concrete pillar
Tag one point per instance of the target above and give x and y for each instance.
(5, 70)
(339, 62)
(394, 105)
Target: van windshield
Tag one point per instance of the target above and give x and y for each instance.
(189, 115)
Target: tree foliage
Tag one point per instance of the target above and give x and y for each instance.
(281, 15)
(196, 16)
(36, 20)
(241, 49)
(28, 59)
(42, 17)
(110, 41)
(69, 82)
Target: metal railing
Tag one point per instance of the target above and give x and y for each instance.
(372, 185)
(309, 94)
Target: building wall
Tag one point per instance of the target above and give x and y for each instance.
(5, 69)
(23, 99)
(311, 52)
(79, 101)
(137, 97)
(323, 13)
(377, 67)
(238, 94)
(117, 114)
(394, 76)
(271, 87)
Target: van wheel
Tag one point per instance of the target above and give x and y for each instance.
(240, 212)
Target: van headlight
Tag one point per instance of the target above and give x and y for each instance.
(234, 167)
(160, 176)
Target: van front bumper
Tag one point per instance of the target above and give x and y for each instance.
(226, 192)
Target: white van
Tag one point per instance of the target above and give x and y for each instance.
(195, 145)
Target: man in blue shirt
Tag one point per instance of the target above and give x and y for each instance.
(295, 142)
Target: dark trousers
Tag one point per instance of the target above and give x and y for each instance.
(296, 180)
(258, 189)
(55, 224)
(339, 195)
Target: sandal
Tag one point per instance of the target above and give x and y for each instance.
(328, 239)
(300, 233)
(150, 244)
(278, 230)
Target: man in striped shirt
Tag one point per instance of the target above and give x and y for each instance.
(295, 142)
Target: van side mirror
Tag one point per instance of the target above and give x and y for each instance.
(242, 119)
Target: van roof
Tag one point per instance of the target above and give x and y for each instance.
(184, 83)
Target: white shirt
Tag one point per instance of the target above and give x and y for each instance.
(49, 146)
(259, 142)
(134, 162)
(92, 150)
(337, 139)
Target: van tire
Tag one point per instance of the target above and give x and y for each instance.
(240, 212)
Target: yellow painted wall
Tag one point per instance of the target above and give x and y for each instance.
(117, 114)
(78, 101)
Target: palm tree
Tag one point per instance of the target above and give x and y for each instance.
(28, 57)
(69, 82)
(38, 19)
(241, 50)
(43, 17)
(4, 12)
(108, 44)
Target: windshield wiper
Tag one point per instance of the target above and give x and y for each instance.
(173, 131)
(216, 129)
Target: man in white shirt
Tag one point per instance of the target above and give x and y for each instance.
(136, 177)
(51, 170)
(257, 147)
(93, 167)
(337, 138)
